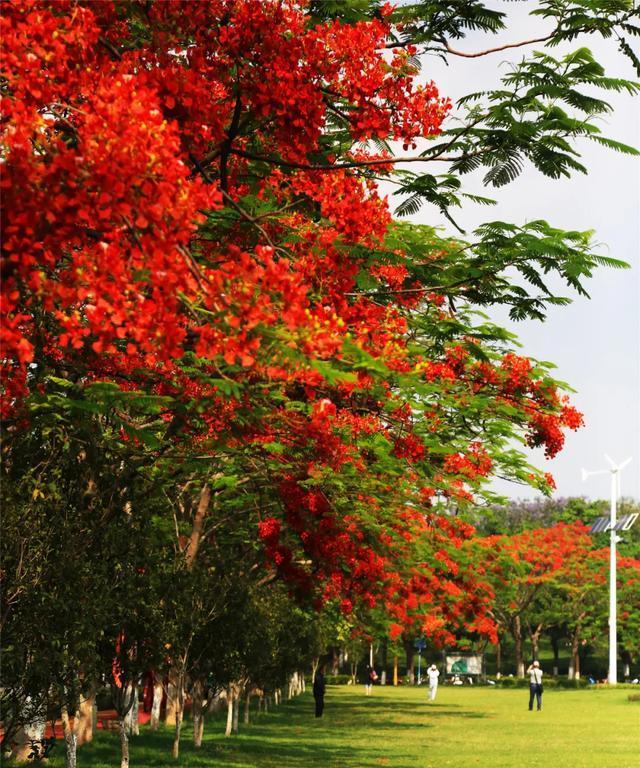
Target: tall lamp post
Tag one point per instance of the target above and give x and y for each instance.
(614, 471)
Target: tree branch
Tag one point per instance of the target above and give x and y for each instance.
(226, 147)
(110, 47)
(486, 52)
(338, 166)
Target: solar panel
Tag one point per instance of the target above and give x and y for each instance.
(623, 523)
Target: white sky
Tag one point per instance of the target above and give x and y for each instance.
(595, 344)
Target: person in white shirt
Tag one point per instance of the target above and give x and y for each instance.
(535, 685)
(433, 675)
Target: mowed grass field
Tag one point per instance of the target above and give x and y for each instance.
(399, 728)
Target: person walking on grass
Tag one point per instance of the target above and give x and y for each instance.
(370, 678)
(319, 686)
(535, 685)
(433, 674)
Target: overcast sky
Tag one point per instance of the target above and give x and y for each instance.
(594, 343)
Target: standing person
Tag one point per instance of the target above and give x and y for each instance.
(535, 685)
(319, 686)
(370, 677)
(433, 674)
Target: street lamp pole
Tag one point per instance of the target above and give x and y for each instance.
(614, 471)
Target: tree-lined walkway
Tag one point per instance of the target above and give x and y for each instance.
(399, 729)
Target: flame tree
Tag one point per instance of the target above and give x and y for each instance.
(198, 262)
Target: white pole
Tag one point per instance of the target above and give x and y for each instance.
(616, 471)
(371, 655)
(613, 619)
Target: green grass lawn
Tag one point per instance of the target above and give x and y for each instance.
(464, 727)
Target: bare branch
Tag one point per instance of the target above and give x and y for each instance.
(338, 166)
(486, 52)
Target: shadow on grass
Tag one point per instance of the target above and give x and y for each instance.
(350, 735)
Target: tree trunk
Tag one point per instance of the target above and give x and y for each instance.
(175, 750)
(131, 718)
(197, 699)
(498, 658)
(70, 737)
(215, 703)
(517, 637)
(25, 734)
(198, 523)
(409, 651)
(385, 662)
(158, 690)
(172, 696)
(535, 642)
(124, 744)
(556, 655)
(574, 667)
(395, 669)
(229, 712)
(85, 714)
(247, 708)
(626, 665)
(236, 711)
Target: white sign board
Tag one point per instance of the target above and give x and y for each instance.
(463, 664)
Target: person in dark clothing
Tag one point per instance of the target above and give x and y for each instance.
(535, 687)
(319, 686)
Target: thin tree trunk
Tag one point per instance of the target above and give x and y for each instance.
(229, 712)
(175, 750)
(172, 696)
(517, 637)
(236, 711)
(124, 744)
(574, 670)
(626, 665)
(556, 655)
(158, 690)
(385, 662)
(395, 669)
(85, 715)
(498, 658)
(247, 708)
(70, 737)
(131, 718)
(535, 642)
(215, 703)
(197, 526)
(198, 714)
(408, 648)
